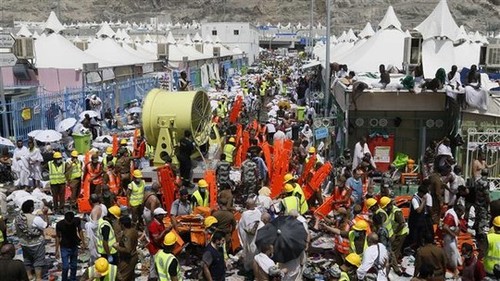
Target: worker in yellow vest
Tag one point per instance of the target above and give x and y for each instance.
(357, 237)
(348, 268)
(165, 262)
(3, 231)
(298, 192)
(221, 110)
(101, 270)
(399, 229)
(108, 157)
(291, 201)
(74, 172)
(492, 253)
(106, 238)
(57, 177)
(374, 208)
(230, 150)
(136, 196)
(201, 196)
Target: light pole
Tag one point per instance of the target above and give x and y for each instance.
(310, 43)
(327, 57)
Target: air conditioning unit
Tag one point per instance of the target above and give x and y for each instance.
(216, 51)
(493, 56)
(82, 45)
(412, 51)
(90, 67)
(23, 48)
(162, 50)
(199, 47)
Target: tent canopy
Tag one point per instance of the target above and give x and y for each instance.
(53, 24)
(439, 23)
(390, 20)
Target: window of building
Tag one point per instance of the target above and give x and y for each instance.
(236, 32)
(214, 32)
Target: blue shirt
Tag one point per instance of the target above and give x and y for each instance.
(357, 189)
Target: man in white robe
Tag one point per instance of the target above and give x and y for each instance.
(35, 160)
(360, 149)
(247, 229)
(20, 164)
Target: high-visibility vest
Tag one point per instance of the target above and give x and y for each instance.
(94, 172)
(344, 277)
(303, 202)
(291, 203)
(76, 170)
(111, 239)
(162, 263)
(263, 88)
(492, 256)
(1, 234)
(200, 201)
(56, 174)
(353, 246)
(339, 196)
(114, 182)
(394, 225)
(342, 244)
(387, 222)
(105, 161)
(111, 276)
(137, 194)
(228, 151)
(150, 151)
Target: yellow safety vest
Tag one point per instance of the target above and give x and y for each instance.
(492, 256)
(137, 194)
(228, 151)
(150, 151)
(111, 276)
(353, 246)
(56, 174)
(387, 222)
(263, 88)
(291, 203)
(162, 263)
(76, 170)
(1, 235)
(202, 202)
(303, 202)
(105, 161)
(392, 214)
(111, 239)
(344, 277)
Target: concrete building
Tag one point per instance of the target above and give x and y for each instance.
(242, 35)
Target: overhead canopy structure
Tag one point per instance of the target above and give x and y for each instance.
(108, 49)
(439, 23)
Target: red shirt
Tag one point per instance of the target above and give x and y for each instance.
(154, 228)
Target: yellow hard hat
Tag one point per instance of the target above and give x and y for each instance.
(496, 221)
(170, 239)
(312, 149)
(74, 153)
(232, 139)
(137, 174)
(123, 141)
(288, 187)
(102, 266)
(370, 202)
(384, 201)
(209, 221)
(57, 155)
(109, 150)
(360, 225)
(115, 211)
(288, 177)
(354, 259)
(202, 183)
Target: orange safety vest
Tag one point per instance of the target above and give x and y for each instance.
(342, 244)
(340, 196)
(114, 182)
(139, 149)
(94, 172)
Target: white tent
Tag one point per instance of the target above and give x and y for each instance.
(53, 24)
(197, 38)
(35, 35)
(24, 32)
(105, 31)
(351, 37)
(390, 20)
(367, 31)
(170, 38)
(108, 49)
(439, 23)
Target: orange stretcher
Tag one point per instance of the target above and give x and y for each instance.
(317, 180)
(212, 188)
(235, 110)
(167, 180)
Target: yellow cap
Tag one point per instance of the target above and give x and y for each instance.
(232, 139)
(74, 153)
(288, 177)
(496, 221)
(370, 202)
(209, 221)
(384, 201)
(57, 155)
(115, 211)
(102, 266)
(312, 149)
(354, 259)
(137, 174)
(360, 225)
(109, 150)
(123, 141)
(288, 187)
(170, 239)
(202, 183)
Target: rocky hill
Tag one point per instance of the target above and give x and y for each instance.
(483, 15)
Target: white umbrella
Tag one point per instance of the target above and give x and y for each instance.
(33, 133)
(91, 114)
(48, 136)
(6, 142)
(135, 109)
(66, 124)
